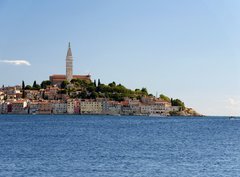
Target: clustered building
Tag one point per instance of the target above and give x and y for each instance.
(52, 101)
(35, 104)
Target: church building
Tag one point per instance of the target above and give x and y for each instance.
(57, 79)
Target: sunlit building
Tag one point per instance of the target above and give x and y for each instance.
(57, 79)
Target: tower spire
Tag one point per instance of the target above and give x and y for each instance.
(69, 64)
(69, 53)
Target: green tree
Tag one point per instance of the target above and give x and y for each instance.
(177, 102)
(165, 98)
(45, 83)
(37, 87)
(113, 84)
(120, 89)
(23, 90)
(23, 85)
(99, 82)
(75, 80)
(28, 87)
(34, 84)
(117, 97)
(144, 91)
(83, 95)
(93, 95)
(91, 88)
(64, 84)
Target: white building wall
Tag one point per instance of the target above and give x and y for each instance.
(59, 108)
(91, 107)
(70, 106)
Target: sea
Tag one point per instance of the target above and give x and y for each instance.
(118, 146)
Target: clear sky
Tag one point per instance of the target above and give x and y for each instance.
(185, 49)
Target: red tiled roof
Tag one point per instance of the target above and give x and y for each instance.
(58, 76)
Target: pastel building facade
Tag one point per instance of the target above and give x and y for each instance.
(73, 106)
(45, 107)
(34, 107)
(90, 107)
(111, 107)
(4, 107)
(19, 107)
(59, 107)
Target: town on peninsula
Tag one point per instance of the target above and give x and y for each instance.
(78, 94)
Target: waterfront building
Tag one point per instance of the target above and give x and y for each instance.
(73, 106)
(45, 107)
(1, 105)
(77, 106)
(19, 107)
(164, 104)
(126, 110)
(70, 106)
(160, 107)
(4, 108)
(111, 107)
(136, 110)
(145, 109)
(90, 107)
(59, 107)
(134, 105)
(173, 108)
(157, 109)
(34, 107)
(57, 79)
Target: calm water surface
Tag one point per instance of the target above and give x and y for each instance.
(89, 146)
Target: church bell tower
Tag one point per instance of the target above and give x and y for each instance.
(69, 64)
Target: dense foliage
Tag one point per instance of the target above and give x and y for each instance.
(177, 102)
(112, 90)
(36, 86)
(165, 98)
(46, 83)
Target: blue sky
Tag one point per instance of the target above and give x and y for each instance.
(185, 49)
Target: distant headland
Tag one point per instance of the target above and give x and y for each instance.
(78, 94)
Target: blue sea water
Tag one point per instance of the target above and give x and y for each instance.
(89, 146)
